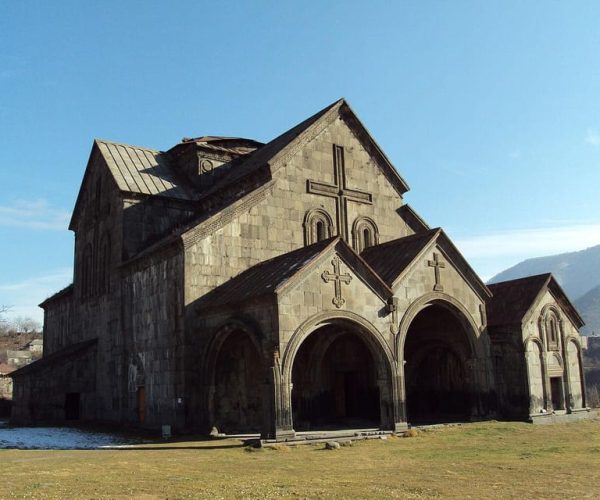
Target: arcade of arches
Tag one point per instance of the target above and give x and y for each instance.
(341, 378)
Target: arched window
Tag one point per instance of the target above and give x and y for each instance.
(367, 237)
(552, 331)
(104, 265)
(321, 230)
(318, 226)
(86, 272)
(364, 234)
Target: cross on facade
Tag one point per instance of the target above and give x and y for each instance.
(338, 279)
(339, 191)
(437, 265)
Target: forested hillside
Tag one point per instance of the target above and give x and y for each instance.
(577, 272)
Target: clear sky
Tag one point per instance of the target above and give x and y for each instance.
(489, 110)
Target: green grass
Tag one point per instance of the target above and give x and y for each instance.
(509, 460)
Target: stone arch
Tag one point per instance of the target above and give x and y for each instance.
(551, 327)
(443, 300)
(574, 363)
(445, 373)
(234, 375)
(536, 374)
(353, 330)
(318, 225)
(376, 339)
(364, 233)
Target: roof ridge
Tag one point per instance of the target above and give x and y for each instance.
(105, 141)
(523, 278)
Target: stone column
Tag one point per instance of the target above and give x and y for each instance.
(547, 387)
(567, 389)
(399, 403)
(277, 407)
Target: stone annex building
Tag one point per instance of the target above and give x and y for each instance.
(283, 287)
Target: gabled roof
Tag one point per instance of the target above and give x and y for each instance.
(276, 275)
(65, 292)
(392, 259)
(135, 170)
(55, 357)
(513, 299)
(275, 152)
(141, 170)
(413, 219)
(263, 278)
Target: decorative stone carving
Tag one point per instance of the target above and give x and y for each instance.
(337, 278)
(437, 264)
(339, 191)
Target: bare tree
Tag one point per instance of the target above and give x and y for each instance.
(3, 321)
(26, 325)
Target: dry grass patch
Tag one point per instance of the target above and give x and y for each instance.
(508, 460)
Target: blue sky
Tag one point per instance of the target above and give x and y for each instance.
(490, 110)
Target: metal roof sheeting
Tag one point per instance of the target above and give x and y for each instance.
(141, 170)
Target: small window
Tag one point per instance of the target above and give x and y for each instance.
(318, 226)
(364, 234)
(320, 230)
(551, 325)
(552, 332)
(367, 238)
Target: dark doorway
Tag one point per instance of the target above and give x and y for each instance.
(141, 403)
(436, 379)
(334, 382)
(72, 403)
(556, 393)
(239, 381)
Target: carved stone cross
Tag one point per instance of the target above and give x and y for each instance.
(339, 191)
(338, 279)
(437, 265)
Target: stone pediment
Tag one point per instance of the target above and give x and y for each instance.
(336, 274)
(427, 262)
(515, 301)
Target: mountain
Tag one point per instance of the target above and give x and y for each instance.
(577, 272)
(588, 306)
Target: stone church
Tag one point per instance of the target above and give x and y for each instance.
(285, 287)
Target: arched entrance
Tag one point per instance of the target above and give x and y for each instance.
(236, 397)
(437, 373)
(336, 379)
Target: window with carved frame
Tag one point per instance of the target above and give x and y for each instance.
(552, 331)
(318, 226)
(364, 234)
